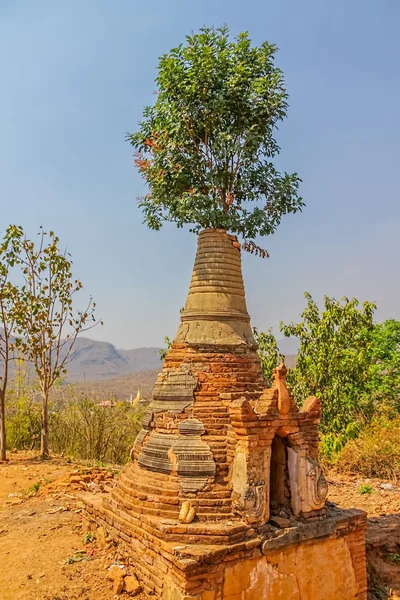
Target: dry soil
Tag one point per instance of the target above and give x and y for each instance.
(42, 544)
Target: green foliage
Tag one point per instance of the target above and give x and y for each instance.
(351, 363)
(268, 352)
(390, 556)
(44, 309)
(205, 147)
(35, 488)
(333, 363)
(365, 488)
(383, 355)
(89, 538)
(163, 351)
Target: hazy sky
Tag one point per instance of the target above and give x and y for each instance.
(75, 75)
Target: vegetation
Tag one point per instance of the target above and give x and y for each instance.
(376, 451)
(205, 147)
(163, 351)
(333, 363)
(268, 352)
(22, 411)
(365, 488)
(353, 365)
(81, 428)
(8, 293)
(40, 312)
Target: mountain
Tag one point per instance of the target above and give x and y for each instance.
(92, 360)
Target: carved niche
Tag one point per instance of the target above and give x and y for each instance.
(194, 460)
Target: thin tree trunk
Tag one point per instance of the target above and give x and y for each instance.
(44, 438)
(3, 452)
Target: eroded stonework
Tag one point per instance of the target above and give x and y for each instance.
(173, 391)
(194, 460)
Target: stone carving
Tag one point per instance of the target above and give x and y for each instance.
(316, 484)
(194, 460)
(173, 391)
(283, 393)
(250, 493)
(187, 512)
(155, 454)
(254, 502)
(308, 485)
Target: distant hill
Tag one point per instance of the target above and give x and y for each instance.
(92, 360)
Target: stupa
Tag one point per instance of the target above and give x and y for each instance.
(224, 497)
(137, 399)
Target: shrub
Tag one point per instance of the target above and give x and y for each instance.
(22, 422)
(81, 428)
(376, 452)
(365, 489)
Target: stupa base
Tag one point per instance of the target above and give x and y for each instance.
(314, 560)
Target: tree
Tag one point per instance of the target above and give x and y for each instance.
(268, 352)
(205, 147)
(383, 355)
(45, 317)
(9, 249)
(333, 363)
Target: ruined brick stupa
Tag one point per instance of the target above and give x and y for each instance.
(224, 497)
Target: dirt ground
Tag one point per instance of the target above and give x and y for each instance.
(42, 549)
(44, 555)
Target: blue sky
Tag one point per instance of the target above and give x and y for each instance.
(75, 76)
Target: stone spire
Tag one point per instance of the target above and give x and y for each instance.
(215, 310)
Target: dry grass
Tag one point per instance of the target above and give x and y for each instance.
(375, 453)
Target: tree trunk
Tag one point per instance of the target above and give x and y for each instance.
(3, 453)
(44, 438)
